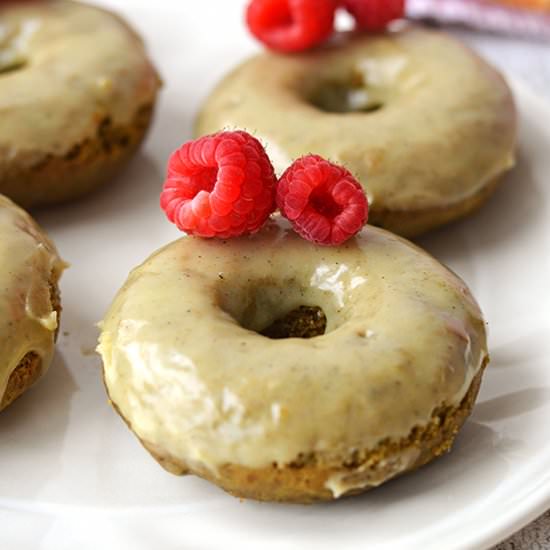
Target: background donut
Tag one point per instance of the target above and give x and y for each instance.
(77, 96)
(429, 144)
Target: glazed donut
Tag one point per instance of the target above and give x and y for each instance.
(77, 95)
(29, 301)
(197, 361)
(426, 125)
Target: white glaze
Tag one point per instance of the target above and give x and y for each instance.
(363, 476)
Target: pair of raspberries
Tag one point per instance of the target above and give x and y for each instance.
(295, 25)
(224, 186)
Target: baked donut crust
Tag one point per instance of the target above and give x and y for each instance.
(30, 303)
(29, 370)
(413, 223)
(56, 179)
(429, 144)
(381, 392)
(305, 481)
(89, 93)
(22, 378)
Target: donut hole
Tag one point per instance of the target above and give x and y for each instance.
(350, 95)
(276, 311)
(344, 97)
(302, 322)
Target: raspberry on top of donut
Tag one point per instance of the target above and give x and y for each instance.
(219, 186)
(323, 201)
(374, 15)
(296, 25)
(224, 185)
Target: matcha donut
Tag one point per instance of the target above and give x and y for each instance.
(425, 125)
(77, 93)
(29, 301)
(202, 360)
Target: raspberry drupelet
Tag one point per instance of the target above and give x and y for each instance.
(221, 185)
(291, 25)
(322, 200)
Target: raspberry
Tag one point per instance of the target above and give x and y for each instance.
(291, 25)
(221, 185)
(374, 15)
(323, 201)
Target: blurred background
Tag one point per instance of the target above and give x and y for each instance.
(513, 34)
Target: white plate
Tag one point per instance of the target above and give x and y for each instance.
(72, 475)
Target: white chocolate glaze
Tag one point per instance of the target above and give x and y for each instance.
(359, 478)
(447, 125)
(64, 67)
(404, 336)
(30, 263)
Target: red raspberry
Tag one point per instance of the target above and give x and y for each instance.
(323, 201)
(374, 15)
(291, 25)
(221, 185)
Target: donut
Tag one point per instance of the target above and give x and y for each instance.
(424, 124)
(29, 301)
(77, 98)
(284, 371)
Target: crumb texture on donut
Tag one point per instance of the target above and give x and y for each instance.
(201, 358)
(24, 376)
(427, 143)
(81, 123)
(94, 161)
(30, 303)
(302, 322)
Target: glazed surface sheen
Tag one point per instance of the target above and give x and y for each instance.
(428, 124)
(30, 266)
(185, 366)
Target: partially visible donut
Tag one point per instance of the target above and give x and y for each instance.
(424, 123)
(29, 301)
(391, 352)
(77, 94)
